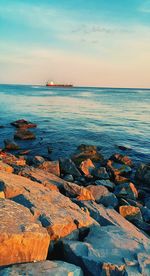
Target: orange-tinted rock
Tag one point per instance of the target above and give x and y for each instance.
(23, 124)
(56, 212)
(12, 160)
(120, 179)
(87, 152)
(130, 212)
(24, 135)
(21, 238)
(124, 159)
(50, 166)
(5, 167)
(67, 166)
(127, 190)
(118, 169)
(98, 192)
(87, 167)
(2, 195)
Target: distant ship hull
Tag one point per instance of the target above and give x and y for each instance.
(59, 85)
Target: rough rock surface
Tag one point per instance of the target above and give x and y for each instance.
(45, 268)
(74, 190)
(87, 152)
(124, 159)
(23, 134)
(56, 212)
(21, 238)
(87, 167)
(118, 169)
(107, 183)
(67, 166)
(126, 190)
(101, 173)
(98, 192)
(130, 212)
(108, 250)
(5, 167)
(143, 174)
(23, 124)
(12, 160)
(50, 166)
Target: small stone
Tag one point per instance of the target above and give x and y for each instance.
(24, 135)
(68, 177)
(106, 183)
(37, 160)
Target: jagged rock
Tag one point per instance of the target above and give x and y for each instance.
(23, 124)
(67, 166)
(124, 159)
(10, 145)
(68, 177)
(73, 190)
(21, 238)
(130, 212)
(120, 179)
(12, 160)
(126, 190)
(87, 167)
(45, 268)
(143, 174)
(101, 173)
(5, 167)
(50, 166)
(24, 134)
(106, 183)
(105, 251)
(145, 214)
(118, 169)
(56, 212)
(87, 152)
(109, 200)
(98, 192)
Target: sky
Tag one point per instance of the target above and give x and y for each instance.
(84, 42)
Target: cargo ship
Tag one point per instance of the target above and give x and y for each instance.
(52, 84)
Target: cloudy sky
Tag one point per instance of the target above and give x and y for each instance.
(85, 42)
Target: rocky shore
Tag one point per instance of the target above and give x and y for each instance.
(83, 215)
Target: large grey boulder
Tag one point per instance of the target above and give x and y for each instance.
(109, 250)
(46, 268)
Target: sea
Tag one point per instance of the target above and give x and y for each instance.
(67, 117)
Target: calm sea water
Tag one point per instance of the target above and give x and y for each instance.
(68, 117)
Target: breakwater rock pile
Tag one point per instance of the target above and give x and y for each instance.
(82, 215)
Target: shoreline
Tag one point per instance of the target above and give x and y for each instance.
(69, 203)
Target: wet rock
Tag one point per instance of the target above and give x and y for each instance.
(123, 148)
(24, 135)
(118, 169)
(106, 183)
(87, 152)
(37, 160)
(55, 211)
(145, 214)
(10, 145)
(67, 166)
(124, 159)
(101, 173)
(87, 167)
(126, 190)
(50, 166)
(98, 192)
(143, 174)
(51, 268)
(20, 235)
(73, 190)
(23, 124)
(130, 212)
(5, 167)
(109, 200)
(104, 251)
(68, 177)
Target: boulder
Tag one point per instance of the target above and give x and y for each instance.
(23, 124)
(107, 183)
(143, 174)
(50, 166)
(87, 167)
(126, 190)
(37, 160)
(5, 167)
(87, 152)
(24, 134)
(101, 173)
(67, 166)
(120, 179)
(118, 169)
(51, 268)
(55, 211)
(124, 159)
(109, 200)
(20, 235)
(10, 145)
(107, 250)
(130, 212)
(98, 192)
(74, 190)
(12, 160)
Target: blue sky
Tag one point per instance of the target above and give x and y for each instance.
(99, 42)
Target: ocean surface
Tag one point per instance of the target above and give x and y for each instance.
(67, 117)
